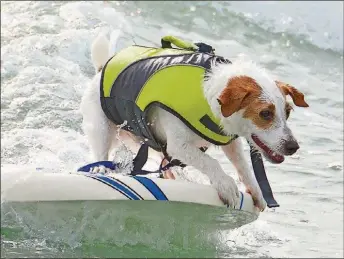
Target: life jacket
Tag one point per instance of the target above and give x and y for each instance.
(138, 78)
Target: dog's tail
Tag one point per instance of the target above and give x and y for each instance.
(113, 42)
(100, 52)
(102, 49)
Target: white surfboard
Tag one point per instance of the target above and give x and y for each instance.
(29, 185)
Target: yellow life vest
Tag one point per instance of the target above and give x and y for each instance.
(138, 78)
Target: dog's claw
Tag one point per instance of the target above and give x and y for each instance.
(257, 197)
(100, 170)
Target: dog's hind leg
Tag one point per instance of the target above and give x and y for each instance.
(96, 125)
(99, 136)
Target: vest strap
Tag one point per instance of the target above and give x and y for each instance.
(263, 182)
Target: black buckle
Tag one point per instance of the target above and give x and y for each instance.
(205, 48)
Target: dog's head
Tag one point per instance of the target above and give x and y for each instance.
(260, 110)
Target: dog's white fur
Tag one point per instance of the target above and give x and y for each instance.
(182, 142)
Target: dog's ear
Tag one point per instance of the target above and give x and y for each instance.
(232, 98)
(296, 95)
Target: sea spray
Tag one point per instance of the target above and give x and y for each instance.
(122, 155)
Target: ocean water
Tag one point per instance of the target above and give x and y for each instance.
(45, 68)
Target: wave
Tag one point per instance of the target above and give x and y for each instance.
(318, 23)
(310, 24)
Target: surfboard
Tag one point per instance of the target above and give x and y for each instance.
(25, 185)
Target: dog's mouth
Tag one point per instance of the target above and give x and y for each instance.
(271, 155)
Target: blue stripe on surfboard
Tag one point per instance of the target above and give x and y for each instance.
(117, 186)
(152, 187)
(125, 185)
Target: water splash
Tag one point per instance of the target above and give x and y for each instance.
(122, 155)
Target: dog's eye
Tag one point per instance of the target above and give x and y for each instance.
(266, 115)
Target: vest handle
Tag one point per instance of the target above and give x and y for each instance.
(167, 41)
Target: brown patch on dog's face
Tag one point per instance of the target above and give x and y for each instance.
(244, 92)
(262, 114)
(238, 94)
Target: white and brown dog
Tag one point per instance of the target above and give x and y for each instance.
(248, 102)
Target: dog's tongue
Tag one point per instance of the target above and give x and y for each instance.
(260, 174)
(276, 157)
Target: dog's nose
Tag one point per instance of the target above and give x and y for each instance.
(291, 146)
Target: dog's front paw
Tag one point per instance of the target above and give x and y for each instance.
(257, 197)
(101, 170)
(228, 191)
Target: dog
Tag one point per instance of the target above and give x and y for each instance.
(245, 99)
